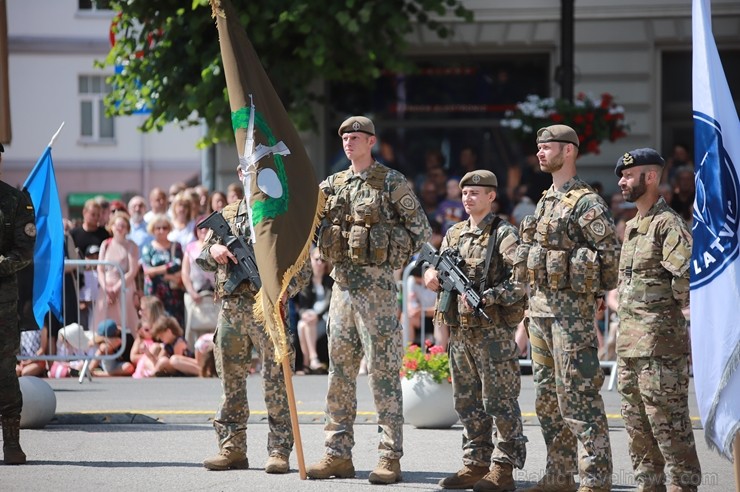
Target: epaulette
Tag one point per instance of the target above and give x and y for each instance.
(376, 176)
(572, 196)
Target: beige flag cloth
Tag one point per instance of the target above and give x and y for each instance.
(282, 187)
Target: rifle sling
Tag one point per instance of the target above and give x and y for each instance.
(489, 252)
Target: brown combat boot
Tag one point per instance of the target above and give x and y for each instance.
(650, 488)
(277, 463)
(12, 452)
(554, 483)
(387, 471)
(227, 459)
(332, 466)
(464, 478)
(593, 488)
(500, 479)
(678, 488)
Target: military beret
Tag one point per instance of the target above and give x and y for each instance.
(357, 124)
(481, 177)
(638, 157)
(557, 133)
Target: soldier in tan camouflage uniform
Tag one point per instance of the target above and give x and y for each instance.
(373, 224)
(483, 355)
(652, 343)
(17, 239)
(237, 333)
(570, 251)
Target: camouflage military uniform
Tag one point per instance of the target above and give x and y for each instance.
(483, 356)
(652, 346)
(571, 252)
(236, 334)
(17, 238)
(373, 224)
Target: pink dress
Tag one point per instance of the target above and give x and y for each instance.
(144, 367)
(115, 252)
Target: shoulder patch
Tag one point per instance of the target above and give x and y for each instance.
(598, 227)
(407, 202)
(30, 229)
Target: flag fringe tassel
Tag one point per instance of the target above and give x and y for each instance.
(262, 304)
(732, 365)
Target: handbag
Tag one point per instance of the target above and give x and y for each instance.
(201, 315)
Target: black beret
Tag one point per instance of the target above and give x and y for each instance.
(482, 177)
(638, 157)
(557, 133)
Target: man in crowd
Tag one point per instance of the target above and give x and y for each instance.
(483, 355)
(571, 251)
(653, 342)
(17, 240)
(386, 226)
(136, 210)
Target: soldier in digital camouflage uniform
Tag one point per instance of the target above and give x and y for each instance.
(373, 224)
(571, 252)
(237, 333)
(652, 343)
(483, 355)
(17, 240)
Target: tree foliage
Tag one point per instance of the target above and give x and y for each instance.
(168, 57)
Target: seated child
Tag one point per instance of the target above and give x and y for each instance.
(204, 355)
(175, 358)
(108, 341)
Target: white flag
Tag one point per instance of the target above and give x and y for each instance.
(715, 265)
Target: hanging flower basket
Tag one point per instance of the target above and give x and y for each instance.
(594, 120)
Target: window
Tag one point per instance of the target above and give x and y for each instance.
(94, 125)
(94, 4)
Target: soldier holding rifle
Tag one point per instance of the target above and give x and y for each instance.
(483, 354)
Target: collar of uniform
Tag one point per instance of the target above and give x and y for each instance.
(478, 230)
(642, 224)
(569, 185)
(365, 173)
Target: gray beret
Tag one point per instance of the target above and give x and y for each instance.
(638, 157)
(357, 124)
(482, 177)
(558, 133)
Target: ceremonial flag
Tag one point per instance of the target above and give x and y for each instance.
(280, 185)
(48, 254)
(715, 265)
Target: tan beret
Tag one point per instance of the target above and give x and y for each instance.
(357, 124)
(557, 133)
(482, 177)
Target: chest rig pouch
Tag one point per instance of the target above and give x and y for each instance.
(549, 257)
(332, 240)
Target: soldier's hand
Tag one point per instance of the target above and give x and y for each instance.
(221, 254)
(430, 279)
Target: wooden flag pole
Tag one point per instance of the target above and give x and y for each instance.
(736, 456)
(288, 376)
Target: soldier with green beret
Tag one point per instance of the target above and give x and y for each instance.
(486, 381)
(569, 252)
(653, 342)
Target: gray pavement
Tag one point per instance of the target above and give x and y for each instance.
(120, 434)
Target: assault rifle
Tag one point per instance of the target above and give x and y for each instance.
(452, 279)
(246, 267)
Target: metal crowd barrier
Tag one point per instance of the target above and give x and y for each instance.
(80, 266)
(610, 364)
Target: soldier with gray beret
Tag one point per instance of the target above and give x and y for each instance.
(17, 240)
(483, 355)
(569, 253)
(652, 343)
(372, 225)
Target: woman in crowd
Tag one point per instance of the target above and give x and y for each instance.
(183, 224)
(314, 309)
(123, 252)
(199, 285)
(161, 260)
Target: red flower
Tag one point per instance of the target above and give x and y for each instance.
(557, 118)
(412, 364)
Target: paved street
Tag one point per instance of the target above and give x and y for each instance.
(120, 434)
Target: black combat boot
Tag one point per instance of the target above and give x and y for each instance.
(12, 452)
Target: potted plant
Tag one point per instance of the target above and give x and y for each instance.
(427, 388)
(594, 120)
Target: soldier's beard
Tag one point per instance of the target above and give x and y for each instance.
(634, 193)
(555, 163)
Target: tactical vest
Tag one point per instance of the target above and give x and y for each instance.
(553, 261)
(357, 226)
(475, 269)
(240, 227)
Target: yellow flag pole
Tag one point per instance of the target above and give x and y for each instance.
(288, 376)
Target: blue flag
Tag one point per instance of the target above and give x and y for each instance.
(715, 265)
(48, 255)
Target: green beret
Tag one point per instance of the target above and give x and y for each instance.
(481, 177)
(638, 157)
(557, 133)
(357, 124)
